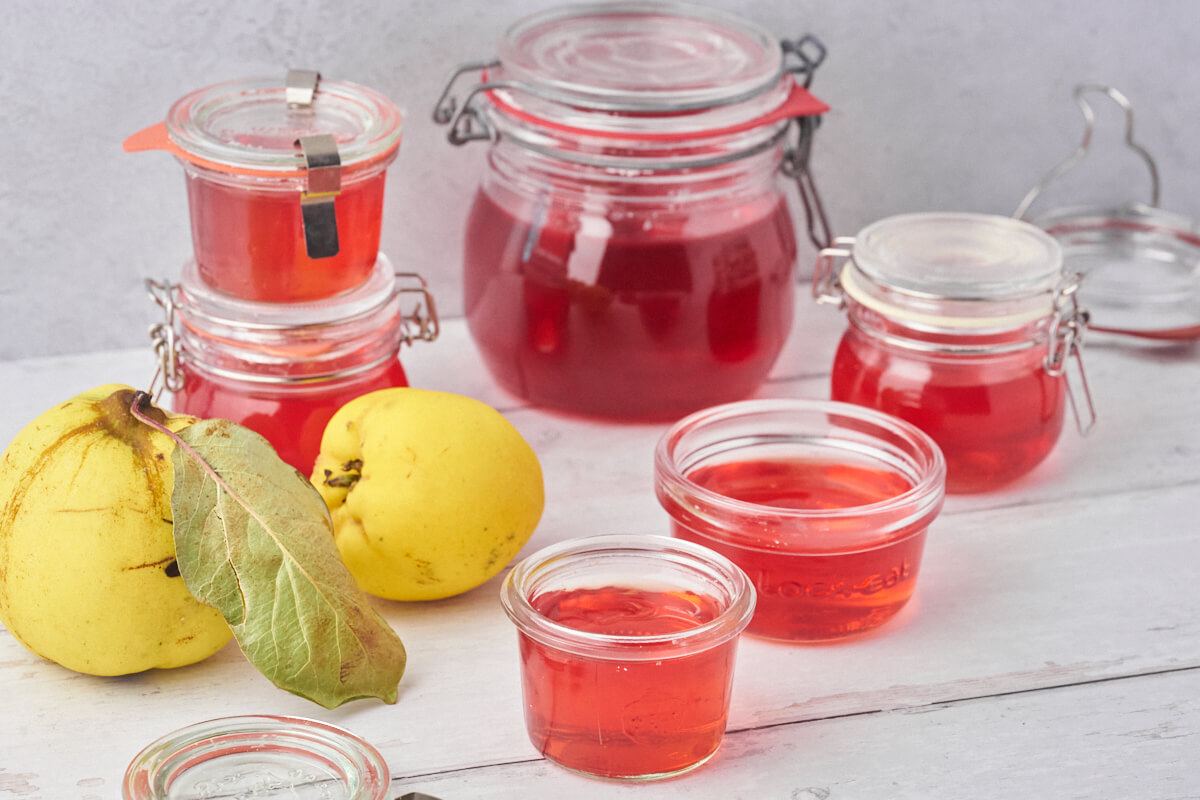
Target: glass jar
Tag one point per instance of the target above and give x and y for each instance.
(824, 505)
(285, 185)
(630, 250)
(258, 756)
(964, 325)
(282, 370)
(627, 650)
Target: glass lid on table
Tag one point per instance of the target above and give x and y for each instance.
(639, 71)
(1141, 264)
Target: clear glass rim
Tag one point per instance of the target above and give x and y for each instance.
(925, 457)
(152, 770)
(379, 121)
(726, 625)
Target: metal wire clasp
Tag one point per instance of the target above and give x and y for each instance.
(826, 283)
(424, 317)
(1067, 326)
(163, 339)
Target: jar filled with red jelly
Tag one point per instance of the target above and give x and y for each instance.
(627, 647)
(966, 326)
(285, 182)
(282, 370)
(630, 249)
(824, 505)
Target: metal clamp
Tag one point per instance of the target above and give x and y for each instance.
(826, 283)
(1065, 344)
(300, 87)
(317, 207)
(809, 51)
(1089, 117)
(164, 341)
(426, 320)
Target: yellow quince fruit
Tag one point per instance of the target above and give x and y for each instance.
(431, 493)
(87, 558)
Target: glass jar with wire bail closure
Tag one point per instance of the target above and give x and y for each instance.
(966, 326)
(630, 249)
(283, 369)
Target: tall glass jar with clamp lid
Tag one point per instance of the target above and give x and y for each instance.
(630, 250)
(966, 326)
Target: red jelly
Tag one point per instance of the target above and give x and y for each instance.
(628, 679)
(630, 251)
(628, 314)
(285, 186)
(961, 324)
(282, 370)
(824, 505)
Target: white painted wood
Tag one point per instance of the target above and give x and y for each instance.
(1084, 572)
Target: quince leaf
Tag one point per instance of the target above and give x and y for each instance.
(253, 538)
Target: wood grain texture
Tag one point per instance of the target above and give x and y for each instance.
(1052, 648)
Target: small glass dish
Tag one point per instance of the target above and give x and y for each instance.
(825, 505)
(260, 757)
(627, 649)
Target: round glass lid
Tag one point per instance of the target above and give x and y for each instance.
(654, 56)
(261, 757)
(959, 256)
(250, 124)
(1141, 267)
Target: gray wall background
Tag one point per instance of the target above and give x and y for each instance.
(937, 105)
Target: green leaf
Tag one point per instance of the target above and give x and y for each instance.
(254, 539)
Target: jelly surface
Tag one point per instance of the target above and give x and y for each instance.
(626, 717)
(291, 418)
(633, 314)
(250, 244)
(821, 594)
(994, 417)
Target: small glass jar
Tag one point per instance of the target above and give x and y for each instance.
(627, 650)
(258, 756)
(824, 505)
(964, 325)
(282, 370)
(286, 194)
(630, 250)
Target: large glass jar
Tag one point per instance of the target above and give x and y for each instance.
(630, 249)
(284, 369)
(964, 325)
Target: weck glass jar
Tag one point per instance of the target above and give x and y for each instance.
(825, 505)
(627, 647)
(283, 369)
(285, 182)
(966, 326)
(630, 249)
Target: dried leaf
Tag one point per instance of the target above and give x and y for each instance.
(254, 539)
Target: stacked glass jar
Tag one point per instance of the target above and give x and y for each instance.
(288, 309)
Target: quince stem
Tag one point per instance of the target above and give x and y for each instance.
(139, 398)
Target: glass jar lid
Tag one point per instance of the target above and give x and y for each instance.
(649, 70)
(258, 756)
(641, 56)
(955, 268)
(249, 124)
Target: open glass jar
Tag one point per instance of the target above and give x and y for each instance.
(627, 651)
(630, 249)
(282, 370)
(285, 182)
(964, 325)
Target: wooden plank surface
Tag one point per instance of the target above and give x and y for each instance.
(1055, 622)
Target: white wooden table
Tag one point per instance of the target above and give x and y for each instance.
(1052, 649)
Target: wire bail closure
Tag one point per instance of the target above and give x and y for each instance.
(1064, 356)
(164, 340)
